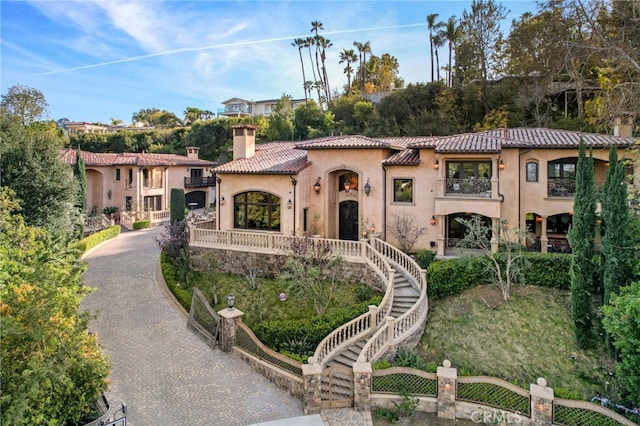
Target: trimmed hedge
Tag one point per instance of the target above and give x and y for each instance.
(94, 239)
(183, 295)
(277, 334)
(141, 224)
(450, 277)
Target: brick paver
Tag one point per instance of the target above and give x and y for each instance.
(164, 372)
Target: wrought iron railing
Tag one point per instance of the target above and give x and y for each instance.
(469, 186)
(561, 187)
(200, 181)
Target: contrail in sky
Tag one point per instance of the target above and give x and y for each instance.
(218, 46)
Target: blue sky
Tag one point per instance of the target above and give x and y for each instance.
(98, 60)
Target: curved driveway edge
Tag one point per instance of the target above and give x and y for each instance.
(163, 371)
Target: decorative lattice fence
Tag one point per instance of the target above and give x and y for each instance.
(494, 393)
(402, 379)
(584, 413)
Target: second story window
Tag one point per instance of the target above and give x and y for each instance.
(532, 171)
(117, 174)
(403, 190)
(562, 177)
(469, 177)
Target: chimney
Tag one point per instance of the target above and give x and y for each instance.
(244, 141)
(623, 125)
(192, 152)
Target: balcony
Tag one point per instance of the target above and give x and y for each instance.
(190, 182)
(561, 187)
(469, 187)
(152, 183)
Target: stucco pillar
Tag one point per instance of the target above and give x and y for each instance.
(541, 403)
(447, 378)
(544, 239)
(362, 373)
(312, 382)
(228, 328)
(441, 242)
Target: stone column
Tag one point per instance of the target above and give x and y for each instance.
(447, 378)
(541, 403)
(373, 313)
(362, 373)
(544, 239)
(228, 328)
(312, 382)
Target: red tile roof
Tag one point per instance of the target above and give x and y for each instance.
(344, 142)
(409, 157)
(270, 158)
(97, 159)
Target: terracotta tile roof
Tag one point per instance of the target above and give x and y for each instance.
(96, 159)
(409, 157)
(343, 142)
(410, 141)
(552, 138)
(468, 143)
(270, 158)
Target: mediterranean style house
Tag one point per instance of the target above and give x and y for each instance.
(237, 107)
(339, 187)
(143, 182)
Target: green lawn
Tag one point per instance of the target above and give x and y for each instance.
(528, 336)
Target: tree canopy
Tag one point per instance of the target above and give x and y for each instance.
(28, 105)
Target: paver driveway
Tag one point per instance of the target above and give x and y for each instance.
(164, 372)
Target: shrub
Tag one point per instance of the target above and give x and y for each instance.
(425, 257)
(449, 277)
(548, 270)
(97, 238)
(177, 205)
(183, 295)
(141, 224)
(109, 210)
(407, 358)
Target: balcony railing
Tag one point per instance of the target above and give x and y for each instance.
(200, 181)
(561, 187)
(471, 186)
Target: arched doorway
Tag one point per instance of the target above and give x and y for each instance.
(195, 197)
(348, 220)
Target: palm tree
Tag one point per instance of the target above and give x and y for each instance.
(433, 26)
(310, 41)
(315, 27)
(451, 32)
(300, 43)
(438, 42)
(366, 48)
(325, 44)
(348, 56)
(359, 46)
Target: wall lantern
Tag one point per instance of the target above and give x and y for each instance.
(433, 220)
(367, 188)
(316, 186)
(222, 201)
(109, 194)
(347, 183)
(436, 165)
(539, 219)
(289, 204)
(501, 165)
(231, 301)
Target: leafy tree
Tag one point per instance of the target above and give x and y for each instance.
(622, 322)
(308, 118)
(80, 175)
(52, 368)
(313, 272)
(27, 104)
(31, 166)
(480, 42)
(581, 237)
(281, 120)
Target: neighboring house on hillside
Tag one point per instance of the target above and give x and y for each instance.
(81, 127)
(141, 181)
(237, 107)
(339, 186)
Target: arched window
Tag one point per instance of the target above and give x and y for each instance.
(256, 210)
(532, 171)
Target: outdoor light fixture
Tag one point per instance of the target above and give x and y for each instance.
(222, 201)
(231, 300)
(539, 219)
(433, 220)
(501, 165)
(436, 165)
(448, 387)
(316, 186)
(367, 187)
(109, 194)
(347, 183)
(289, 204)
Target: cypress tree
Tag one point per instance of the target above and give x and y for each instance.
(581, 237)
(80, 175)
(178, 204)
(615, 241)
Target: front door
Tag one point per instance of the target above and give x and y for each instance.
(349, 220)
